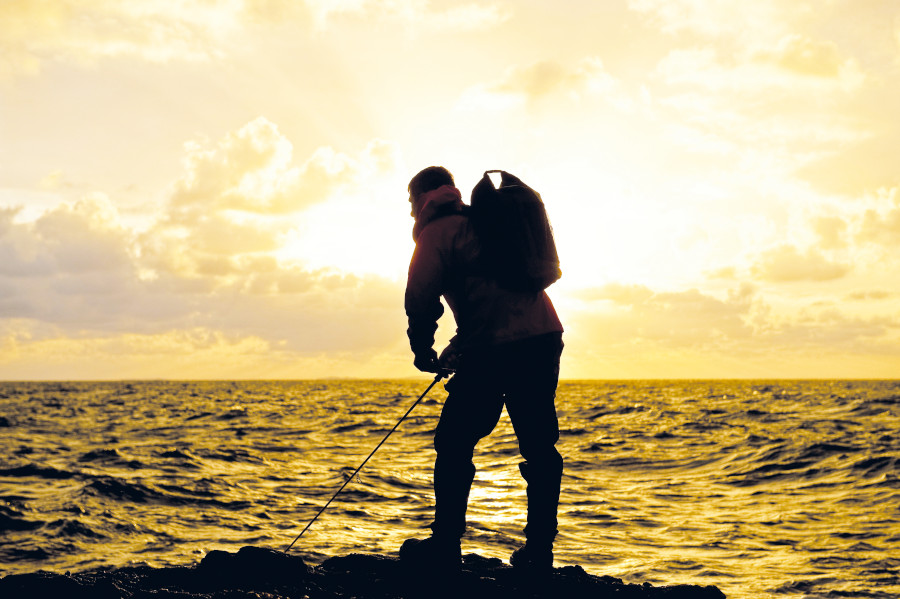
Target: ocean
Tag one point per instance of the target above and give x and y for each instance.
(762, 488)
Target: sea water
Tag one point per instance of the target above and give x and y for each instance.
(764, 489)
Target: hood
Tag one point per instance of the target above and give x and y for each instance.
(435, 204)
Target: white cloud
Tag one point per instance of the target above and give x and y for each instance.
(253, 170)
(246, 196)
(71, 239)
(532, 83)
(417, 15)
(87, 30)
(897, 35)
(469, 17)
(797, 65)
(805, 56)
(831, 231)
(741, 21)
(881, 225)
(209, 261)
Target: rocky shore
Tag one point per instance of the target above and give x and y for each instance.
(269, 574)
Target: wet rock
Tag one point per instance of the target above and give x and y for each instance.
(251, 565)
(260, 572)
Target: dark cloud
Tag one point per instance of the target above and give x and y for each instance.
(688, 318)
(203, 264)
(635, 321)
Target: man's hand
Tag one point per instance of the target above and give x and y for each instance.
(427, 361)
(449, 359)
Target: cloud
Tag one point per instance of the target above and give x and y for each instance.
(840, 237)
(717, 19)
(882, 225)
(83, 275)
(417, 15)
(897, 35)
(623, 331)
(469, 17)
(796, 66)
(210, 259)
(762, 114)
(192, 353)
(534, 82)
(830, 328)
(84, 31)
(252, 170)
(806, 56)
(874, 295)
(785, 263)
(72, 238)
(189, 353)
(831, 230)
(682, 318)
(871, 221)
(616, 293)
(242, 197)
(769, 76)
(159, 31)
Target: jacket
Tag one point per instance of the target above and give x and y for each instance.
(445, 263)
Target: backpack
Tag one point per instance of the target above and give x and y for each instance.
(517, 246)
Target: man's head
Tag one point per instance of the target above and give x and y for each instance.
(427, 180)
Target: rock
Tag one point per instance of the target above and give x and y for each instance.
(250, 566)
(261, 572)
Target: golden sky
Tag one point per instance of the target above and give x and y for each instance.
(217, 189)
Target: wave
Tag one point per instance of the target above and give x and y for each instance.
(650, 468)
(110, 457)
(33, 470)
(167, 494)
(74, 528)
(11, 520)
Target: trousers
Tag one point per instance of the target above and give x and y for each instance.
(523, 376)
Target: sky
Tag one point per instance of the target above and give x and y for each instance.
(217, 189)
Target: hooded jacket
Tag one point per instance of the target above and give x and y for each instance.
(445, 263)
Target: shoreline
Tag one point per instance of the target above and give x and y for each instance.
(261, 572)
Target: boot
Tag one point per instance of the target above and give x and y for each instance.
(533, 557)
(436, 553)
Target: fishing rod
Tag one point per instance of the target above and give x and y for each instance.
(441, 374)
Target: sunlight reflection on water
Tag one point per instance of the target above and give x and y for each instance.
(757, 487)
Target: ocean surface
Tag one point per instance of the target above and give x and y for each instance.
(762, 488)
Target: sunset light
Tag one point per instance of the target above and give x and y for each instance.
(218, 189)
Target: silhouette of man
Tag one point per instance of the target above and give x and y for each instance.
(506, 351)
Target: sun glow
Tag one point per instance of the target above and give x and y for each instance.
(362, 235)
(721, 178)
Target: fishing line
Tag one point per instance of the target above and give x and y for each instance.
(438, 377)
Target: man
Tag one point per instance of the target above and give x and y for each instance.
(506, 352)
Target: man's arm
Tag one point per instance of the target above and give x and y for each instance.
(423, 298)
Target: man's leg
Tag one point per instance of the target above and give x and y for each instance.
(470, 413)
(531, 405)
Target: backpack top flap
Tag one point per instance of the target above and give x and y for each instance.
(518, 248)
